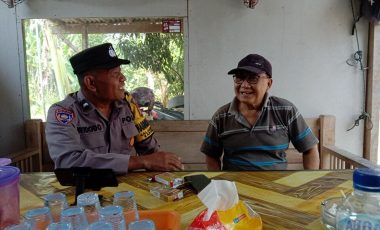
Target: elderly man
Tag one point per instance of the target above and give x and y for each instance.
(254, 130)
(99, 125)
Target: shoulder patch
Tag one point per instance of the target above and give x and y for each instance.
(64, 116)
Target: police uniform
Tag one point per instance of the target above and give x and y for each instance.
(79, 135)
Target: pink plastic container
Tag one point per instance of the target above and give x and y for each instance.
(9, 196)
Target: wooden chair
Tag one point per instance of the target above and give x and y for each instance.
(30, 158)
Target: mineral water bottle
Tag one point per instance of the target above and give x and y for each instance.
(361, 209)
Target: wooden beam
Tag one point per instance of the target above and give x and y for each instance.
(371, 132)
(136, 27)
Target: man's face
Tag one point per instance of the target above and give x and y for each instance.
(250, 88)
(109, 84)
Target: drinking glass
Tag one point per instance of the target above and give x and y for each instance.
(59, 226)
(39, 218)
(145, 224)
(100, 225)
(90, 203)
(114, 215)
(126, 200)
(21, 226)
(76, 217)
(56, 202)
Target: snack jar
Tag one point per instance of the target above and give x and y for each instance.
(9, 196)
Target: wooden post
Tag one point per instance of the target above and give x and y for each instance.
(33, 140)
(327, 137)
(371, 131)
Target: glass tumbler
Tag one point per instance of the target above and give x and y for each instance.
(76, 217)
(21, 226)
(114, 215)
(59, 226)
(56, 202)
(126, 200)
(100, 225)
(90, 203)
(142, 225)
(39, 218)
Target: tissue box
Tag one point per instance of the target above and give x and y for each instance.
(168, 179)
(166, 193)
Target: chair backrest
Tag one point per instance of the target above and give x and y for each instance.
(185, 138)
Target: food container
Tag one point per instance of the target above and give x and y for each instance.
(163, 219)
(10, 196)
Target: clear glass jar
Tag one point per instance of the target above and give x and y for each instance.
(361, 209)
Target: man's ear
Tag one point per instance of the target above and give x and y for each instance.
(89, 82)
(270, 81)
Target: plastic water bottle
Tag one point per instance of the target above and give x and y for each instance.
(361, 209)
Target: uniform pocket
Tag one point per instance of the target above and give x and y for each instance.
(93, 140)
(129, 131)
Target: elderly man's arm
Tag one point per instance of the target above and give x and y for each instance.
(213, 163)
(311, 158)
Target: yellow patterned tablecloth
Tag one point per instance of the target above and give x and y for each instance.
(284, 199)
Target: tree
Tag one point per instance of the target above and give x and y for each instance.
(159, 53)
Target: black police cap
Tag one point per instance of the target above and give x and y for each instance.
(97, 57)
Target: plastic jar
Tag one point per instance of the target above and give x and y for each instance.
(361, 209)
(10, 196)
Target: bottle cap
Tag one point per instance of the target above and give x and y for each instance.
(366, 179)
(8, 174)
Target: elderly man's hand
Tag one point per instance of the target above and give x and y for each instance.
(162, 161)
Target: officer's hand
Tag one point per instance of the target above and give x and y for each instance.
(163, 161)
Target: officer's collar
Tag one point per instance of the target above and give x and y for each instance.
(87, 106)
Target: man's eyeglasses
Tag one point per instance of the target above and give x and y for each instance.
(251, 79)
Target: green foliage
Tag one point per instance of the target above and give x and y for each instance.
(161, 53)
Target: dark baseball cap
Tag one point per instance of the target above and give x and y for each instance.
(97, 57)
(253, 63)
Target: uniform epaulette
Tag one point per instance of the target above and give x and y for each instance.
(67, 102)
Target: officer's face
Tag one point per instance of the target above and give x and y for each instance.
(109, 84)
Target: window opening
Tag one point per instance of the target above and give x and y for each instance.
(155, 47)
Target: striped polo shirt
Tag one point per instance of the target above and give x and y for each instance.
(261, 146)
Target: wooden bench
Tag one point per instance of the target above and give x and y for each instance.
(185, 138)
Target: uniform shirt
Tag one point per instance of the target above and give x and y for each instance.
(261, 146)
(78, 135)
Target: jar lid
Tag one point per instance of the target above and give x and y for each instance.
(8, 174)
(5, 161)
(366, 179)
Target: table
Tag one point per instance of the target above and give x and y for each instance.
(284, 199)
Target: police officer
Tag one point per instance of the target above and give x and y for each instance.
(99, 125)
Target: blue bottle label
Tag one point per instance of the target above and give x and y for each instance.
(359, 222)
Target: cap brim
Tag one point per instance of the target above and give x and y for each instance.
(246, 69)
(114, 63)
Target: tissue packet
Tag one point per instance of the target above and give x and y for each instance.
(239, 217)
